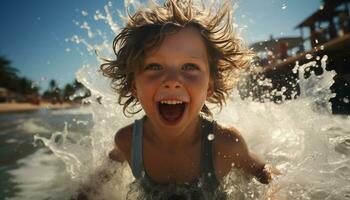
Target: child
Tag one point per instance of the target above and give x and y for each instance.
(171, 60)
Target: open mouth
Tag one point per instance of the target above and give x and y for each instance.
(171, 111)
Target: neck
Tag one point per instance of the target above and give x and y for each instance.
(173, 138)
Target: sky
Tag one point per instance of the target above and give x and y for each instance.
(38, 36)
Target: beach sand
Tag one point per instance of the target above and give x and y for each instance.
(22, 107)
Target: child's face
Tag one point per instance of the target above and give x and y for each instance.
(175, 81)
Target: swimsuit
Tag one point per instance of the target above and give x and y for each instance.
(206, 187)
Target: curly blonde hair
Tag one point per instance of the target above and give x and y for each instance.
(147, 28)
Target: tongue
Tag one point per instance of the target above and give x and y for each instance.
(171, 112)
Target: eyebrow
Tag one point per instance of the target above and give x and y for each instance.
(196, 55)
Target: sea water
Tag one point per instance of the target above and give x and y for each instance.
(309, 145)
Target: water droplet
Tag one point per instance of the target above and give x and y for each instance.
(346, 100)
(199, 184)
(209, 174)
(82, 122)
(308, 56)
(283, 89)
(232, 164)
(237, 154)
(237, 140)
(84, 13)
(211, 137)
(284, 6)
(322, 47)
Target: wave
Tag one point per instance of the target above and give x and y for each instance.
(41, 176)
(73, 111)
(31, 126)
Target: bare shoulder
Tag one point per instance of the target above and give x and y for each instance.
(229, 138)
(122, 140)
(123, 137)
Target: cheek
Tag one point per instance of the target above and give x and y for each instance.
(198, 86)
(198, 79)
(145, 86)
(199, 82)
(148, 78)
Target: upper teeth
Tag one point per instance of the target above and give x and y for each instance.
(171, 102)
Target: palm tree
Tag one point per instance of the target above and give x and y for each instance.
(54, 92)
(53, 85)
(27, 87)
(8, 74)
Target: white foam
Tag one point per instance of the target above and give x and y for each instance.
(31, 126)
(72, 111)
(41, 176)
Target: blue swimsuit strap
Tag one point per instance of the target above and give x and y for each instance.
(136, 150)
(207, 164)
(207, 161)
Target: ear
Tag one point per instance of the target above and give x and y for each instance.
(133, 89)
(210, 90)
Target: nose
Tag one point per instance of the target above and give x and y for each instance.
(171, 80)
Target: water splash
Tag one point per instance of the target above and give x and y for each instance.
(284, 6)
(298, 137)
(301, 137)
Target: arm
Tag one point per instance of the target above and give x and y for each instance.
(116, 154)
(250, 162)
(233, 151)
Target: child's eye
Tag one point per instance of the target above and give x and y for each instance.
(190, 66)
(153, 66)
